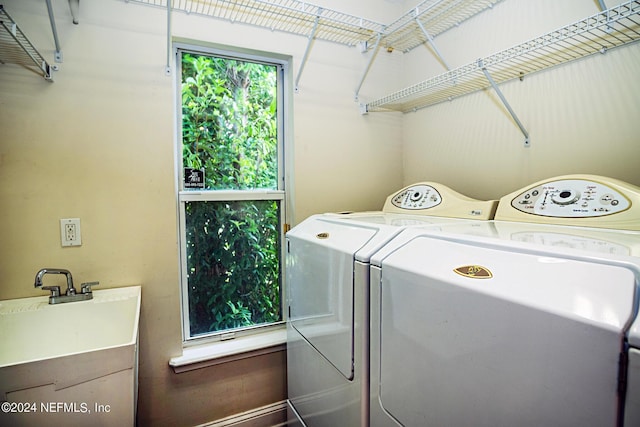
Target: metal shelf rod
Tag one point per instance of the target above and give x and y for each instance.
(305, 57)
(366, 70)
(433, 44)
(167, 68)
(506, 103)
(57, 54)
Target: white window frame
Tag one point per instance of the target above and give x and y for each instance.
(274, 332)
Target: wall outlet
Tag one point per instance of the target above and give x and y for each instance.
(70, 232)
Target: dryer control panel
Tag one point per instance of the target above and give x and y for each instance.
(417, 197)
(571, 198)
(575, 200)
(434, 199)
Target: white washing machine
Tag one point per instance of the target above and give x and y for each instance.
(535, 325)
(327, 277)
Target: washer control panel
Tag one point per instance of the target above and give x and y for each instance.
(571, 198)
(419, 196)
(435, 199)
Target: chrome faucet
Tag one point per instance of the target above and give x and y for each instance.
(38, 283)
(70, 294)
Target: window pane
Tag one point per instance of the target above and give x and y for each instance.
(229, 121)
(233, 264)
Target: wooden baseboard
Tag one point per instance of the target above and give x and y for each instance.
(265, 416)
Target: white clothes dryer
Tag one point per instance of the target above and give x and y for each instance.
(531, 325)
(327, 277)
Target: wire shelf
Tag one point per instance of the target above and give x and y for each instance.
(299, 17)
(15, 47)
(290, 16)
(611, 28)
(435, 16)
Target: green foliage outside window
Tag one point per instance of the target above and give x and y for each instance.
(229, 124)
(229, 129)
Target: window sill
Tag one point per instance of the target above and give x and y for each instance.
(202, 356)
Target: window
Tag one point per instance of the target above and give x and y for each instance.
(231, 191)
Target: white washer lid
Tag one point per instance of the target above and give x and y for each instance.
(570, 290)
(456, 226)
(364, 233)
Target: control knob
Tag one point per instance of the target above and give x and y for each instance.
(415, 196)
(565, 197)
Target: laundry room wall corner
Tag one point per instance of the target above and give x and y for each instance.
(581, 116)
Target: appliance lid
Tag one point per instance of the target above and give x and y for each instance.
(481, 324)
(585, 290)
(359, 238)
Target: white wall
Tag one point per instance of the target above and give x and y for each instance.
(98, 144)
(582, 117)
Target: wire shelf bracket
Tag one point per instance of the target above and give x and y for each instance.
(305, 56)
(167, 68)
(505, 102)
(57, 55)
(433, 44)
(369, 63)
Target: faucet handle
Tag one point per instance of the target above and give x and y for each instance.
(55, 290)
(85, 288)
